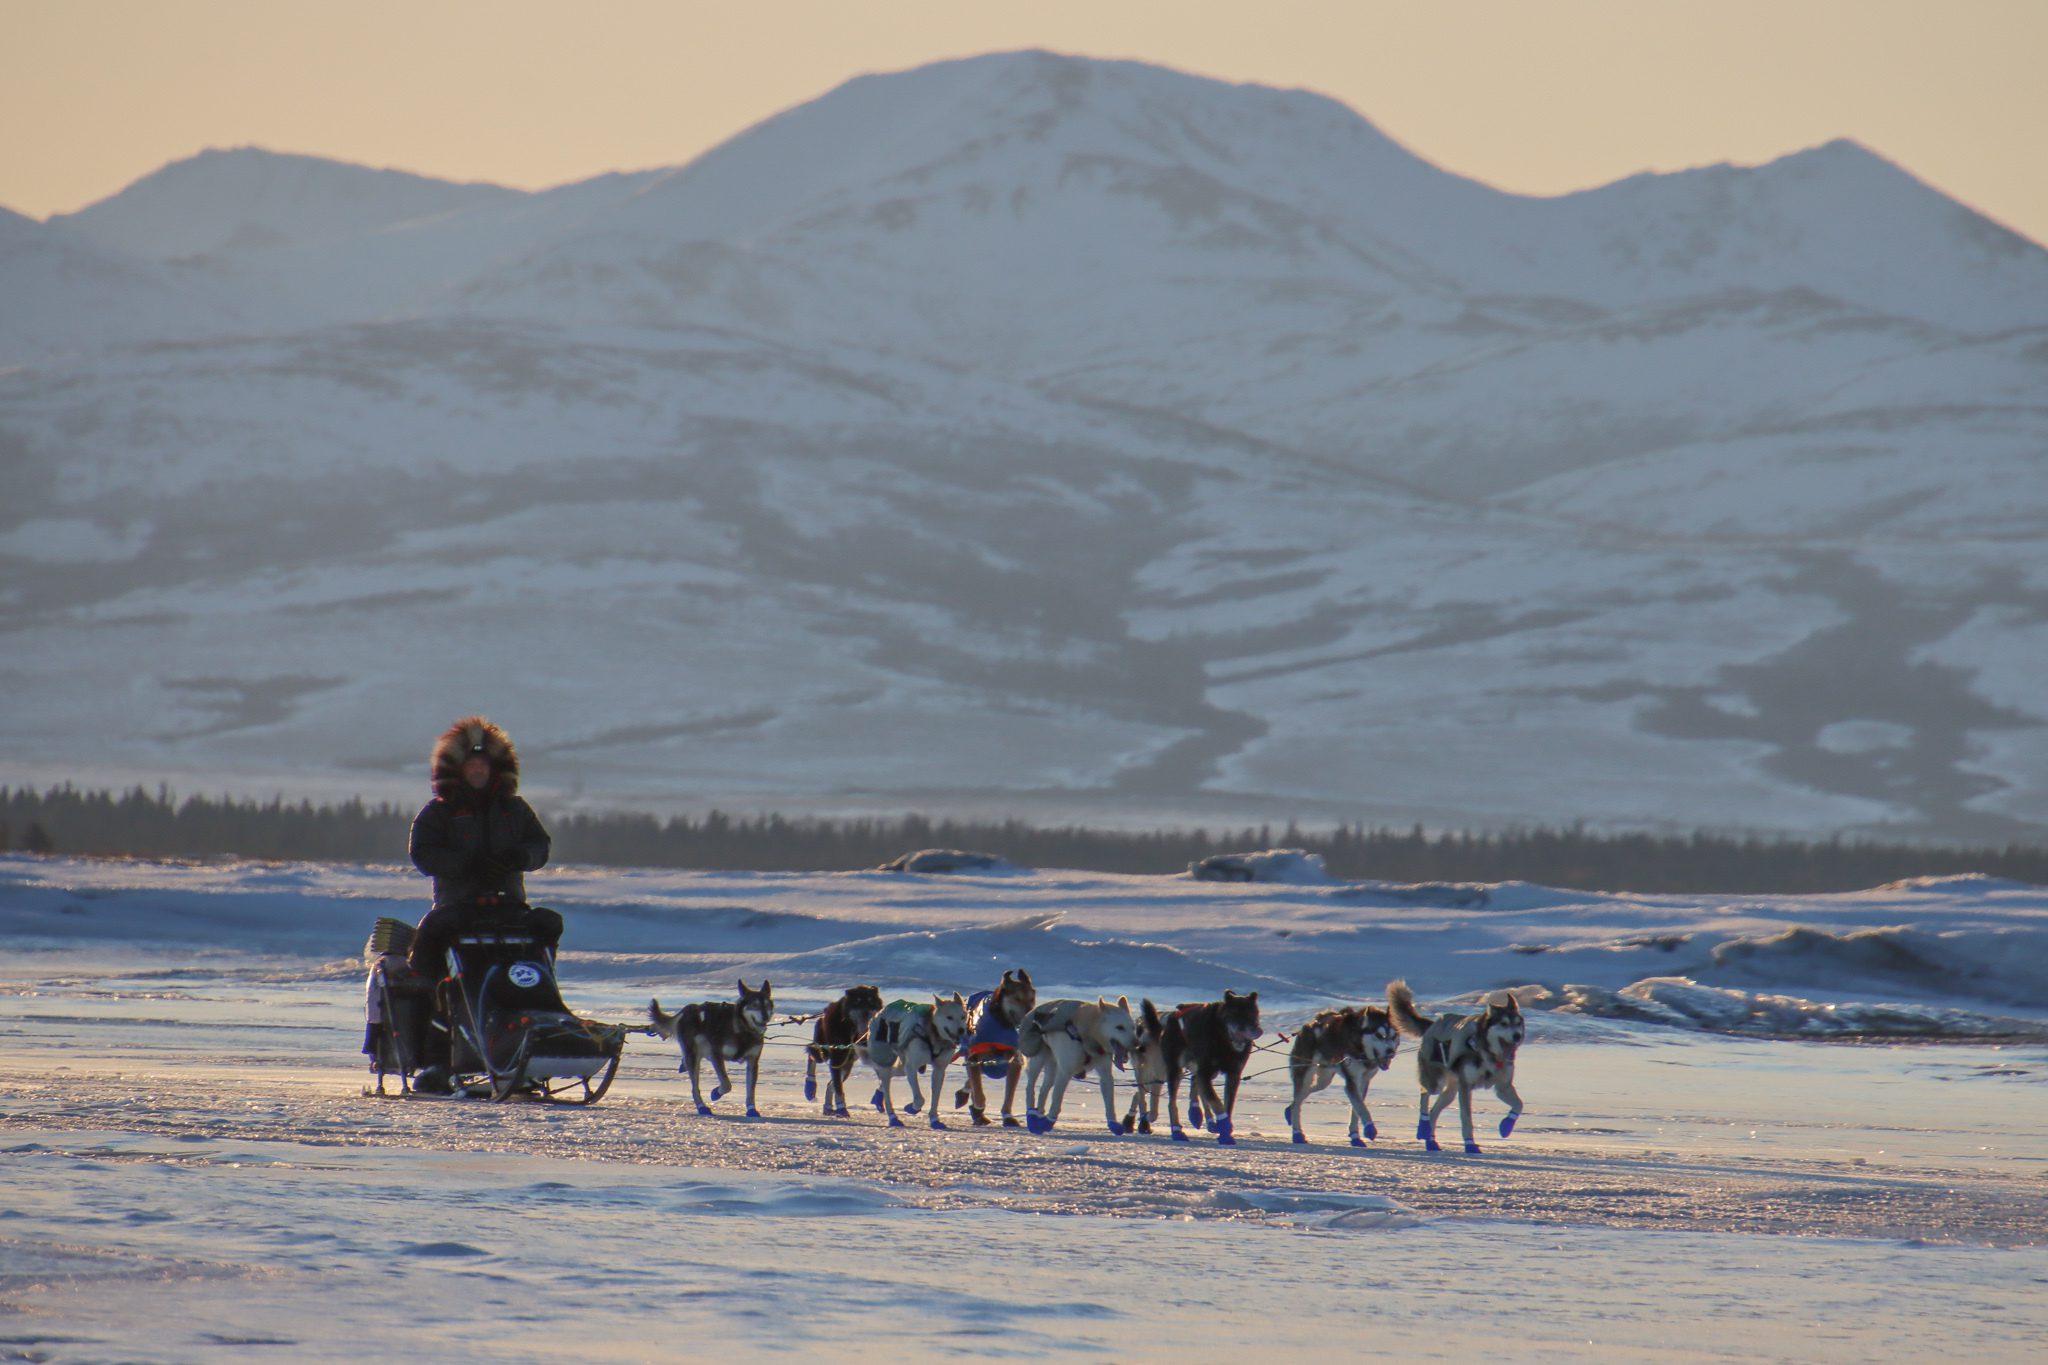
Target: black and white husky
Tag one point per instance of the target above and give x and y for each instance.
(1354, 1043)
(720, 1030)
(1458, 1053)
(835, 1039)
(909, 1036)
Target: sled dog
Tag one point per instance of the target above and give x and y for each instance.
(1063, 1038)
(990, 1047)
(1354, 1043)
(719, 1030)
(1207, 1040)
(1459, 1052)
(910, 1036)
(834, 1038)
(1148, 1069)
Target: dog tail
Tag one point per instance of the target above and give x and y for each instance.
(1401, 1002)
(664, 1024)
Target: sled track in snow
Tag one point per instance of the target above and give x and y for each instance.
(1544, 1177)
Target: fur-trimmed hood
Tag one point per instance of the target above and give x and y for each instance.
(471, 735)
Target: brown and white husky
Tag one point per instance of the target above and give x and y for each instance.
(1354, 1043)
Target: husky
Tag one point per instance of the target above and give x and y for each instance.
(910, 1035)
(990, 1046)
(834, 1038)
(1457, 1053)
(1205, 1040)
(1064, 1038)
(1148, 1069)
(720, 1029)
(1356, 1044)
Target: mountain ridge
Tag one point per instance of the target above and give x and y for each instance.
(1097, 434)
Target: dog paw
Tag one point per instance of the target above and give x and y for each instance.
(1179, 1135)
(1425, 1132)
(1300, 1138)
(704, 1111)
(1145, 1126)
(718, 1092)
(1507, 1125)
(1116, 1129)
(1357, 1141)
(1429, 1144)
(1225, 1140)
(1195, 1115)
(960, 1098)
(810, 1089)
(841, 1113)
(1011, 1121)
(1287, 1114)
(936, 1124)
(1372, 1130)
(895, 1122)
(880, 1107)
(913, 1106)
(752, 1112)
(1471, 1149)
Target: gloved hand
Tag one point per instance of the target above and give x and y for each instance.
(503, 863)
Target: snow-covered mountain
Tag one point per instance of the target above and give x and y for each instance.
(1073, 437)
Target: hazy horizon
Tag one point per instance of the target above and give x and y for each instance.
(1546, 102)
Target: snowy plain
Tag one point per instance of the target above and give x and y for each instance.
(1709, 1169)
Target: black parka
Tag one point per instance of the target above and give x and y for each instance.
(455, 835)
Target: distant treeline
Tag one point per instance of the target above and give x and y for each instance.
(145, 824)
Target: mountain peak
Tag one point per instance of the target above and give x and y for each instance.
(225, 199)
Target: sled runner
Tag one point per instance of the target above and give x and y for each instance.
(508, 1031)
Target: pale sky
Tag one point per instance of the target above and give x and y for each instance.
(1533, 96)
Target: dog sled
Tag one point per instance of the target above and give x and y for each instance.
(508, 1032)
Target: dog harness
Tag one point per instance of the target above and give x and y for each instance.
(990, 1042)
(896, 1025)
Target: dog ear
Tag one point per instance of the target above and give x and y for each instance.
(1123, 1002)
(1023, 976)
(743, 985)
(766, 989)
(1006, 978)
(958, 1001)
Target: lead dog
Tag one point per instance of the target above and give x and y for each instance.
(1354, 1043)
(1064, 1038)
(990, 1046)
(1459, 1052)
(910, 1036)
(835, 1037)
(719, 1029)
(1207, 1041)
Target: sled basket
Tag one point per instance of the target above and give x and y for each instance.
(388, 936)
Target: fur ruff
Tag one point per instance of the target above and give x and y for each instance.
(469, 735)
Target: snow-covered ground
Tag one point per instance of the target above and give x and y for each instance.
(191, 1172)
